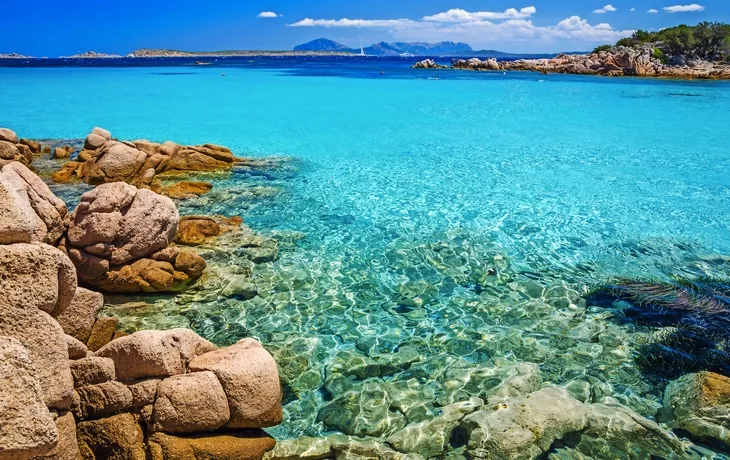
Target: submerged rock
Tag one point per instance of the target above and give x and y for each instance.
(700, 404)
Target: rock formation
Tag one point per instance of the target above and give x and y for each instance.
(118, 240)
(428, 64)
(29, 211)
(152, 394)
(104, 159)
(617, 61)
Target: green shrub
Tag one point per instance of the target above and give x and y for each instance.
(656, 53)
(625, 42)
(602, 48)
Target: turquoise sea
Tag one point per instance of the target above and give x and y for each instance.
(445, 223)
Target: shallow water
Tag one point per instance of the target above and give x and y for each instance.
(445, 222)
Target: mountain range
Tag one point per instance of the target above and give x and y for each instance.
(456, 49)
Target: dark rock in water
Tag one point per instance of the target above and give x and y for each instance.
(691, 320)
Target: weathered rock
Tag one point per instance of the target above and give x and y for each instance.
(119, 222)
(155, 353)
(115, 162)
(102, 400)
(114, 438)
(79, 318)
(26, 155)
(190, 403)
(60, 153)
(198, 159)
(143, 391)
(26, 427)
(248, 445)
(34, 146)
(93, 142)
(9, 151)
(194, 230)
(29, 211)
(102, 132)
(69, 171)
(8, 135)
(92, 371)
(76, 349)
(187, 189)
(67, 447)
(44, 339)
(250, 379)
(241, 287)
(700, 404)
(36, 276)
(102, 333)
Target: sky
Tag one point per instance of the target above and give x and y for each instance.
(52, 28)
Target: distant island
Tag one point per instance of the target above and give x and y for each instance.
(452, 49)
(685, 52)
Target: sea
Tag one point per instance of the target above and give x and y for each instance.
(435, 228)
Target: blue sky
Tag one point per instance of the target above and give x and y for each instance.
(52, 28)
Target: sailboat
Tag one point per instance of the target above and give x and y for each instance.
(362, 50)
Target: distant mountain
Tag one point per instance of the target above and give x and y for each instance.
(322, 44)
(418, 48)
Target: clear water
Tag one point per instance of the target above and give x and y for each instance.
(459, 216)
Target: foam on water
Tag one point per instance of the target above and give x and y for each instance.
(447, 227)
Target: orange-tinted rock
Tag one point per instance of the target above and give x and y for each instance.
(194, 230)
(102, 332)
(114, 438)
(244, 445)
(59, 153)
(187, 189)
(68, 172)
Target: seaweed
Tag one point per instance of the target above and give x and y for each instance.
(689, 320)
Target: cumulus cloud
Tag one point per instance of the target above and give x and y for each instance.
(605, 9)
(268, 14)
(684, 8)
(459, 15)
(632, 9)
(653, 11)
(483, 28)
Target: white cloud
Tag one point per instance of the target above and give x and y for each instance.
(652, 11)
(459, 25)
(605, 9)
(459, 15)
(359, 23)
(632, 9)
(684, 8)
(268, 14)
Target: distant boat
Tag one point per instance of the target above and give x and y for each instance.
(201, 63)
(407, 54)
(362, 50)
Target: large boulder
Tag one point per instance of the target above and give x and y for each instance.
(92, 370)
(67, 447)
(102, 400)
(114, 438)
(8, 135)
(155, 353)
(46, 344)
(250, 378)
(79, 318)
(120, 223)
(26, 426)
(700, 404)
(250, 445)
(36, 276)
(190, 403)
(29, 211)
(115, 162)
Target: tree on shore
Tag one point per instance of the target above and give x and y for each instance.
(706, 40)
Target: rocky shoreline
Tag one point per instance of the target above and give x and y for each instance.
(616, 62)
(77, 384)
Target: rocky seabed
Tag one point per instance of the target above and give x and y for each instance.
(74, 385)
